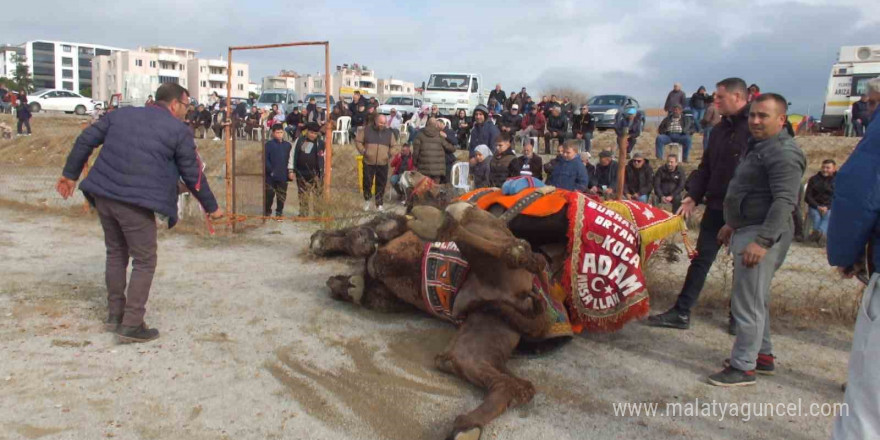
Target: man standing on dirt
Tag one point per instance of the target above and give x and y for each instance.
(136, 177)
(729, 140)
(375, 142)
(854, 226)
(759, 230)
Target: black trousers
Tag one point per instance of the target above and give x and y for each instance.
(548, 138)
(378, 174)
(26, 123)
(707, 247)
(276, 191)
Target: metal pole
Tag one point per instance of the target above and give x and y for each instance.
(230, 180)
(328, 132)
(621, 163)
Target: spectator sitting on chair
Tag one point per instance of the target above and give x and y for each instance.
(818, 196)
(253, 121)
(629, 125)
(557, 127)
(605, 180)
(435, 112)
(674, 128)
(359, 117)
(306, 166)
(479, 166)
(400, 163)
(569, 172)
(356, 101)
(430, 148)
(860, 115)
(529, 164)
(294, 123)
(533, 125)
(511, 120)
(500, 164)
(395, 121)
(277, 160)
(669, 182)
(639, 179)
(219, 122)
(583, 127)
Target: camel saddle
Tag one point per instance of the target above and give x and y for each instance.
(533, 202)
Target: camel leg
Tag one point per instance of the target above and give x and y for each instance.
(367, 292)
(358, 241)
(478, 354)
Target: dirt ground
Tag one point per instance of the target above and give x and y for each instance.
(253, 348)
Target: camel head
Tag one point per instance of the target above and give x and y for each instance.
(422, 190)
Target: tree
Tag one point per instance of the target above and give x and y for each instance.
(87, 92)
(22, 75)
(252, 95)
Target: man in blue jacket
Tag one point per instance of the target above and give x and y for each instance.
(484, 131)
(570, 173)
(147, 151)
(277, 156)
(854, 227)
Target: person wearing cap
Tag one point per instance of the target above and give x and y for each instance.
(306, 165)
(483, 132)
(675, 128)
(557, 127)
(629, 125)
(533, 125)
(511, 120)
(639, 179)
(583, 126)
(604, 182)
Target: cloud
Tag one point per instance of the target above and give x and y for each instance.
(639, 47)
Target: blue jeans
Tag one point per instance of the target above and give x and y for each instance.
(683, 139)
(588, 141)
(643, 198)
(698, 116)
(819, 221)
(706, 131)
(859, 127)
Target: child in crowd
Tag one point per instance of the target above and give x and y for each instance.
(306, 165)
(480, 166)
(277, 158)
(401, 162)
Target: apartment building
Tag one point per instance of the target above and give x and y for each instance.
(309, 83)
(394, 87)
(279, 82)
(133, 74)
(355, 78)
(8, 56)
(208, 76)
(63, 65)
(172, 63)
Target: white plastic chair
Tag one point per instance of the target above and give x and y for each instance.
(343, 124)
(255, 132)
(459, 179)
(404, 133)
(446, 122)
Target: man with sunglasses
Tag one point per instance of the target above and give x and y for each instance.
(583, 127)
(136, 177)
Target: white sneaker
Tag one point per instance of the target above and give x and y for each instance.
(216, 139)
(367, 206)
(380, 208)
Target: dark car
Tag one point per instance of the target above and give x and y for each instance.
(605, 109)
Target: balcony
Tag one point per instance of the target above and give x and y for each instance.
(217, 77)
(168, 57)
(169, 72)
(217, 63)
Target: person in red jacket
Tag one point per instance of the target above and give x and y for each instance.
(401, 162)
(533, 125)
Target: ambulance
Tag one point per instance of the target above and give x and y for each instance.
(848, 81)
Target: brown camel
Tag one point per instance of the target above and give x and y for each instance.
(496, 305)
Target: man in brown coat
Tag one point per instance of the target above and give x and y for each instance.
(375, 142)
(429, 150)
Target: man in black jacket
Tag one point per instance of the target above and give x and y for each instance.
(511, 120)
(669, 182)
(604, 182)
(639, 179)
(583, 126)
(498, 94)
(818, 196)
(529, 164)
(860, 115)
(557, 127)
(728, 142)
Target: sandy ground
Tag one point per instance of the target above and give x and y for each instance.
(253, 348)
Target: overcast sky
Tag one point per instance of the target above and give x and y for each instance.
(621, 46)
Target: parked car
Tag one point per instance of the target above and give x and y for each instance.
(405, 105)
(285, 98)
(320, 99)
(606, 107)
(61, 100)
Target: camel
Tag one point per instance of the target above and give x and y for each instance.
(496, 306)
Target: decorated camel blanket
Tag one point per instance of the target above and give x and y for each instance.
(608, 244)
(444, 270)
(530, 201)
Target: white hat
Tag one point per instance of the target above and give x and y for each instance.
(516, 106)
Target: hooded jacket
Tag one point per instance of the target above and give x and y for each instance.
(500, 166)
(698, 100)
(639, 180)
(429, 151)
(667, 182)
(482, 134)
(820, 190)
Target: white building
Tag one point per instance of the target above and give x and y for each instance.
(354, 78)
(132, 74)
(394, 87)
(279, 82)
(307, 84)
(172, 62)
(208, 76)
(63, 65)
(8, 60)
(255, 88)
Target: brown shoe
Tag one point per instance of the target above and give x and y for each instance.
(112, 323)
(141, 333)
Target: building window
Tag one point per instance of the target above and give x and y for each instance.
(240, 87)
(181, 66)
(202, 69)
(153, 64)
(66, 62)
(204, 84)
(240, 73)
(67, 85)
(100, 52)
(168, 79)
(66, 48)
(139, 63)
(67, 73)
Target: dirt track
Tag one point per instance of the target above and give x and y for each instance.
(252, 347)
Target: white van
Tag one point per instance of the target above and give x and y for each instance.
(848, 81)
(453, 91)
(285, 98)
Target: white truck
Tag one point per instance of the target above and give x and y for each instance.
(847, 82)
(451, 92)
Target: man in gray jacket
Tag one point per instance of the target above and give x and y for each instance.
(758, 231)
